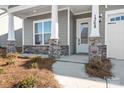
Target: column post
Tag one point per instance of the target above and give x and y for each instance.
(96, 49)
(11, 42)
(54, 48)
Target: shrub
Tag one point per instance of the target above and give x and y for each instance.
(11, 58)
(34, 65)
(1, 70)
(3, 52)
(29, 82)
(97, 68)
(42, 63)
(36, 59)
(12, 55)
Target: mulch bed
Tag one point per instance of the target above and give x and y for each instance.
(101, 69)
(13, 74)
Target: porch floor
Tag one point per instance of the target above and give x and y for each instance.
(74, 59)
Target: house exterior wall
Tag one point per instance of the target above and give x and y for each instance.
(63, 28)
(102, 10)
(4, 30)
(73, 38)
(63, 33)
(28, 32)
(18, 37)
(62, 19)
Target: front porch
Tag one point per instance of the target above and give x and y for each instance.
(56, 29)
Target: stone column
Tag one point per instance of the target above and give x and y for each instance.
(96, 49)
(54, 48)
(11, 43)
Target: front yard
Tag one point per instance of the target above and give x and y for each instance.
(27, 72)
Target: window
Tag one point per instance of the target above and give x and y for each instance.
(42, 32)
(112, 19)
(117, 18)
(47, 31)
(122, 17)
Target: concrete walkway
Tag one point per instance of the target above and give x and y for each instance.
(74, 58)
(118, 80)
(72, 74)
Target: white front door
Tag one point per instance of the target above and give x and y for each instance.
(83, 30)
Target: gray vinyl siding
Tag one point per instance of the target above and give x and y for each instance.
(18, 37)
(102, 10)
(63, 29)
(28, 32)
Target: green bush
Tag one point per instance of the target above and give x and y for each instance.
(29, 82)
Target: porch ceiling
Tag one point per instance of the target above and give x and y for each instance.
(41, 9)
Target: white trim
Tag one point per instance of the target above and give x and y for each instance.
(33, 33)
(54, 24)
(114, 11)
(95, 21)
(11, 32)
(38, 21)
(22, 35)
(69, 30)
(82, 13)
(22, 31)
(36, 14)
(77, 21)
(46, 12)
(20, 7)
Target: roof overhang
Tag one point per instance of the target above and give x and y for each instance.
(3, 9)
(24, 11)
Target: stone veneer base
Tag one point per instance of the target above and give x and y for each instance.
(54, 49)
(44, 49)
(11, 46)
(96, 49)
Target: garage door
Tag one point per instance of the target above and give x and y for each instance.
(115, 36)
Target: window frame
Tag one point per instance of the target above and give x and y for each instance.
(43, 33)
